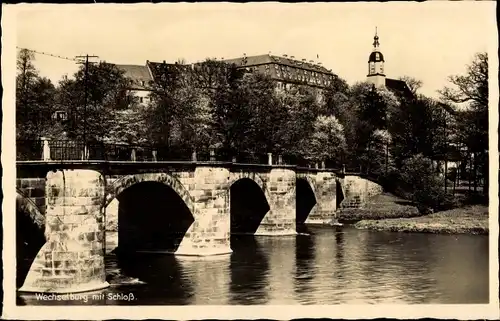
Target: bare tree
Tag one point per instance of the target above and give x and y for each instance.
(413, 84)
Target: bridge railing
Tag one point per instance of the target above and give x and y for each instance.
(67, 150)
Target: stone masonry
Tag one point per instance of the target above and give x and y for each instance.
(358, 190)
(210, 232)
(72, 258)
(280, 220)
(81, 204)
(324, 187)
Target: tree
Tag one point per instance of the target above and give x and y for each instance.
(91, 100)
(268, 116)
(34, 99)
(128, 126)
(414, 127)
(336, 98)
(423, 185)
(471, 89)
(365, 112)
(301, 108)
(327, 141)
(231, 118)
(413, 84)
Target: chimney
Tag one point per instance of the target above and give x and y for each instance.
(285, 55)
(304, 59)
(293, 57)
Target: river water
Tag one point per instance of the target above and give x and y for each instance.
(329, 265)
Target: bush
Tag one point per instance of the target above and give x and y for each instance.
(424, 186)
(393, 182)
(472, 198)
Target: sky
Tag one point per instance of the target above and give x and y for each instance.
(428, 41)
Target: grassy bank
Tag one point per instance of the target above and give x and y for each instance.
(470, 220)
(380, 207)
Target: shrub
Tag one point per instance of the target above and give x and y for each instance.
(424, 186)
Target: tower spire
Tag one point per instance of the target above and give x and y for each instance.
(376, 44)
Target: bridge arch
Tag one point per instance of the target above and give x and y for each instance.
(30, 234)
(127, 181)
(26, 205)
(309, 180)
(236, 176)
(249, 202)
(306, 198)
(147, 212)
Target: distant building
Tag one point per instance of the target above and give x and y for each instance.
(376, 74)
(286, 70)
(141, 78)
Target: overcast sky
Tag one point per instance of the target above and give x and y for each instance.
(428, 41)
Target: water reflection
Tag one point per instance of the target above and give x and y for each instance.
(199, 272)
(322, 266)
(249, 271)
(281, 256)
(305, 270)
(163, 275)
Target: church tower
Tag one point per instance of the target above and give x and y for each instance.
(376, 74)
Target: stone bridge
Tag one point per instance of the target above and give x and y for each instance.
(77, 210)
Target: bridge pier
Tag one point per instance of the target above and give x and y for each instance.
(209, 234)
(72, 258)
(281, 189)
(325, 189)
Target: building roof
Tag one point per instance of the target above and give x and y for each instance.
(156, 68)
(376, 56)
(284, 60)
(138, 74)
(398, 86)
(286, 69)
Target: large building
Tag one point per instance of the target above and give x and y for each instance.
(286, 70)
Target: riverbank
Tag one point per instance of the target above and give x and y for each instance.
(464, 220)
(381, 206)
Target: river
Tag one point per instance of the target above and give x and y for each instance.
(329, 265)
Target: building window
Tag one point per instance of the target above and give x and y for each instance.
(141, 100)
(143, 83)
(60, 115)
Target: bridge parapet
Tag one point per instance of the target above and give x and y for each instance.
(66, 150)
